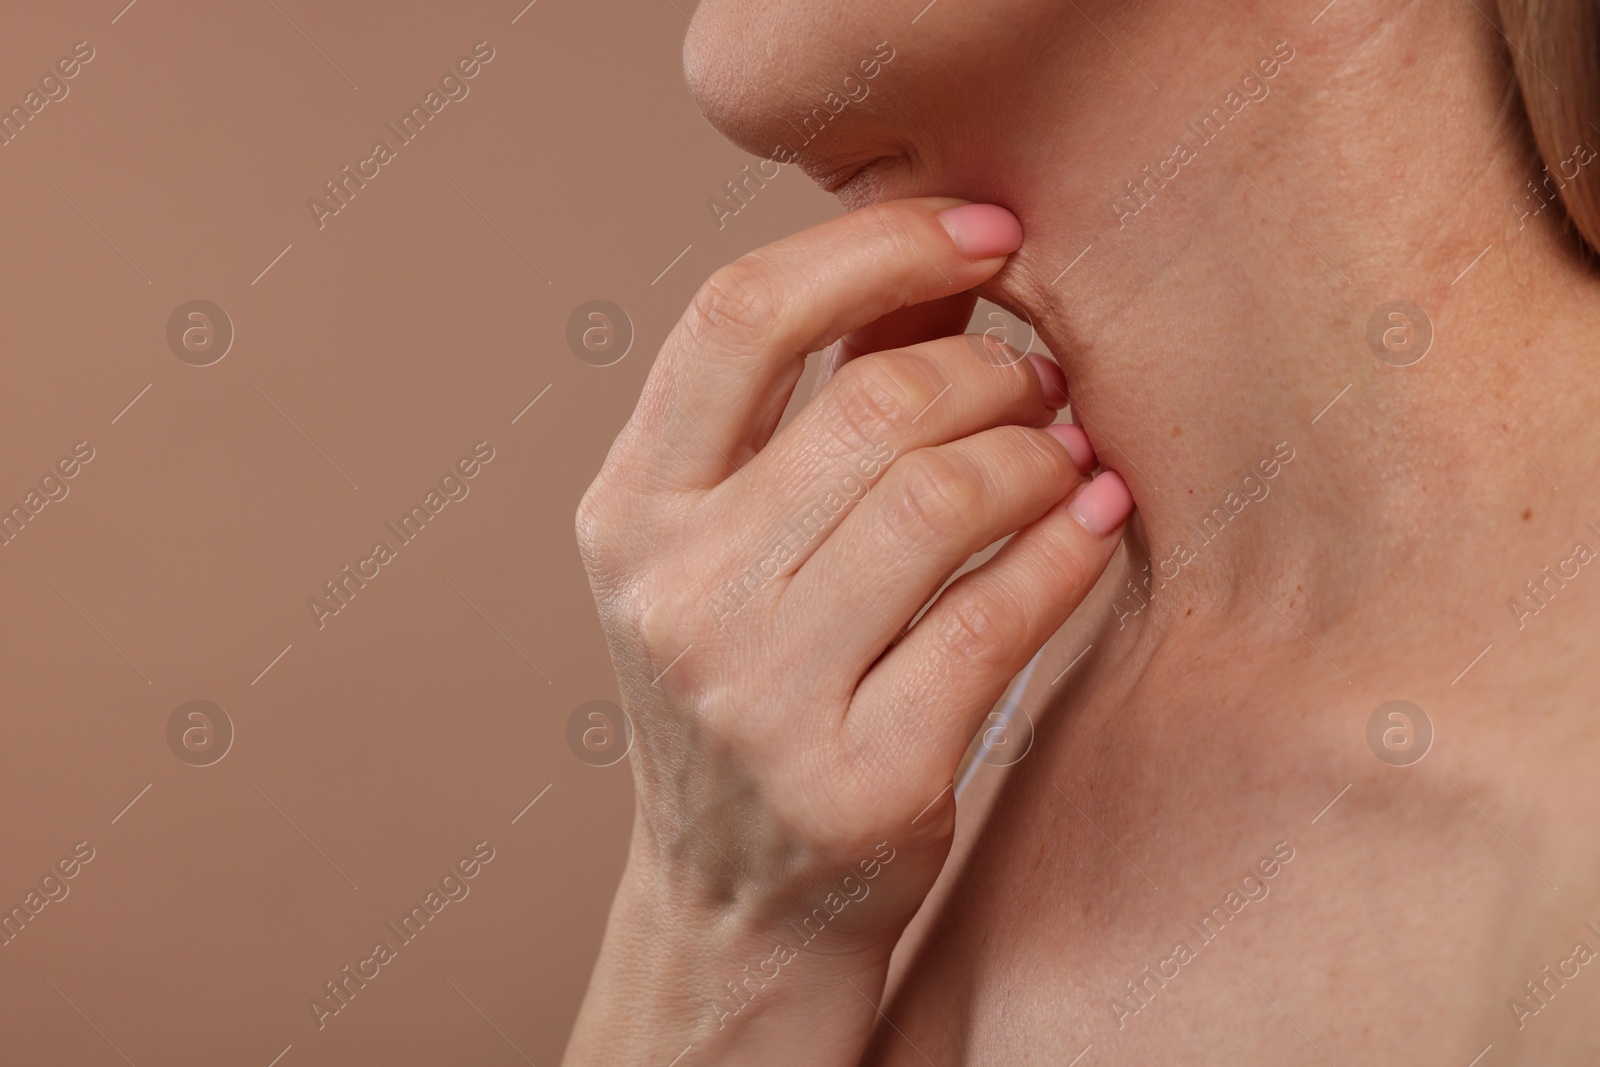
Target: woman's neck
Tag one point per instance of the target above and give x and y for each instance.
(1214, 323)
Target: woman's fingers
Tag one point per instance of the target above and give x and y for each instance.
(899, 329)
(880, 406)
(929, 694)
(744, 338)
(929, 514)
(927, 322)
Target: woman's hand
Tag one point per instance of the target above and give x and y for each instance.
(797, 724)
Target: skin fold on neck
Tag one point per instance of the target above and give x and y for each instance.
(1207, 319)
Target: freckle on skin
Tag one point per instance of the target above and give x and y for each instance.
(1527, 513)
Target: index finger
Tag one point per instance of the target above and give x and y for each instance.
(732, 361)
(944, 317)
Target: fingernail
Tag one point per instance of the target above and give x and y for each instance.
(1102, 505)
(1051, 380)
(982, 231)
(1076, 442)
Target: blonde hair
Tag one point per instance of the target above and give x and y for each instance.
(1555, 54)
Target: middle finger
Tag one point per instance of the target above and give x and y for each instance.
(877, 407)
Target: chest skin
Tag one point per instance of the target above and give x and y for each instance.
(1212, 866)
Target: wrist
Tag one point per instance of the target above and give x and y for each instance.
(725, 974)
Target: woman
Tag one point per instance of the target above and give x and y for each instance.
(1320, 284)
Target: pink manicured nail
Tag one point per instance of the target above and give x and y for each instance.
(1051, 379)
(982, 231)
(1076, 443)
(1102, 505)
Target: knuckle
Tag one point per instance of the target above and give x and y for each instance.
(1049, 458)
(1064, 564)
(597, 521)
(1021, 380)
(589, 523)
(934, 497)
(661, 613)
(612, 525)
(737, 305)
(878, 399)
(983, 627)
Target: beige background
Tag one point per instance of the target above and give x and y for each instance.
(373, 753)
